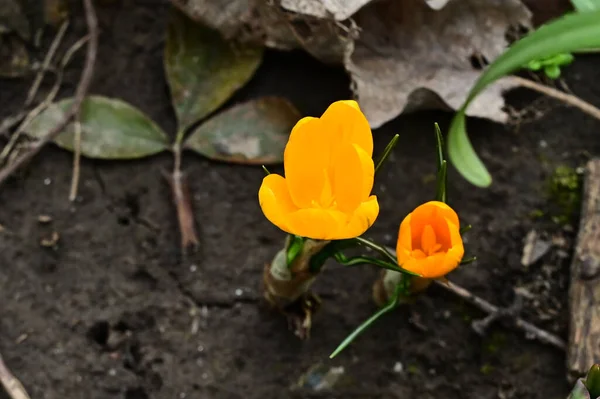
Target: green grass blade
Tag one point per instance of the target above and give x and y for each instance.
(364, 326)
(586, 5)
(567, 34)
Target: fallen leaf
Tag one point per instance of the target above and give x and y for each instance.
(111, 129)
(254, 132)
(411, 57)
(203, 69)
(271, 25)
(14, 57)
(338, 9)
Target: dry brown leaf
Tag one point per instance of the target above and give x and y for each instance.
(402, 55)
(336, 9)
(410, 56)
(268, 23)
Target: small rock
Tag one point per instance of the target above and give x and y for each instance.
(535, 247)
(398, 367)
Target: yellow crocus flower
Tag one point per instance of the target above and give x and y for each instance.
(329, 171)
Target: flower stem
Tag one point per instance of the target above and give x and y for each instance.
(285, 283)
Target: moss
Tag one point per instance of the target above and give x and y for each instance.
(413, 369)
(495, 343)
(564, 191)
(487, 369)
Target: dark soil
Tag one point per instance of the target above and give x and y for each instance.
(114, 310)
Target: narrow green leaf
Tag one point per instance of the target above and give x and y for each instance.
(386, 152)
(440, 194)
(468, 260)
(592, 381)
(567, 34)
(391, 305)
(254, 132)
(110, 129)
(203, 69)
(439, 145)
(295, 246)
(465, 229)
(586, 5)
(362, 260)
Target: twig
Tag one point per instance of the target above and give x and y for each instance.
(13, 120)
(82, 88)
(183, 202)
(559, 95)
(76, 161)
(11, 384)
(542, 335)
(47, 60)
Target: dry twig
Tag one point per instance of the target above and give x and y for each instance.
(76, 161)
(559, 95)
(82, 88)
(11, 384)
(496, 312)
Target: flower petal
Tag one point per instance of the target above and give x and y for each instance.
(353, 174)
(344, 122)
(305, 158)
(363, 217)
(275, 201)
(315, 223)
(404, 246)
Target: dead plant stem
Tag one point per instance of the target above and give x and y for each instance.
(11, 384)
(76, 162)
(559, 95)
(542, 335)
(80, 93)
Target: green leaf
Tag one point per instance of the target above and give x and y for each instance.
(386, 152)
(442, 166)
(391, 305)
(254, 132)
(567, 34)
(592, 381)
(586, 5)
(203, 69)
(110, 129)
(295, 246)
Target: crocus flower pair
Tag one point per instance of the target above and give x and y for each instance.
(326, 193)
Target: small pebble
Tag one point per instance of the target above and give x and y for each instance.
(398, 367)
(193, 268)
(47, 181)
(239, 292)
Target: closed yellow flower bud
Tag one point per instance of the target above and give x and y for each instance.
(429, 241)
(329, 171)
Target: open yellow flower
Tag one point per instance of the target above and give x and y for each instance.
(328, 180)
(429, 241)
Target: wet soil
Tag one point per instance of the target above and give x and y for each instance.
(115, 310)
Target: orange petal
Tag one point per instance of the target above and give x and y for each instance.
(353, 172)
(445, 211)
(404, 245)
(305, 157)
(275, 201)
(361, 219)
(345, 122)
(315, 223)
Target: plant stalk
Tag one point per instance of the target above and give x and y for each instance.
(285, 284)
